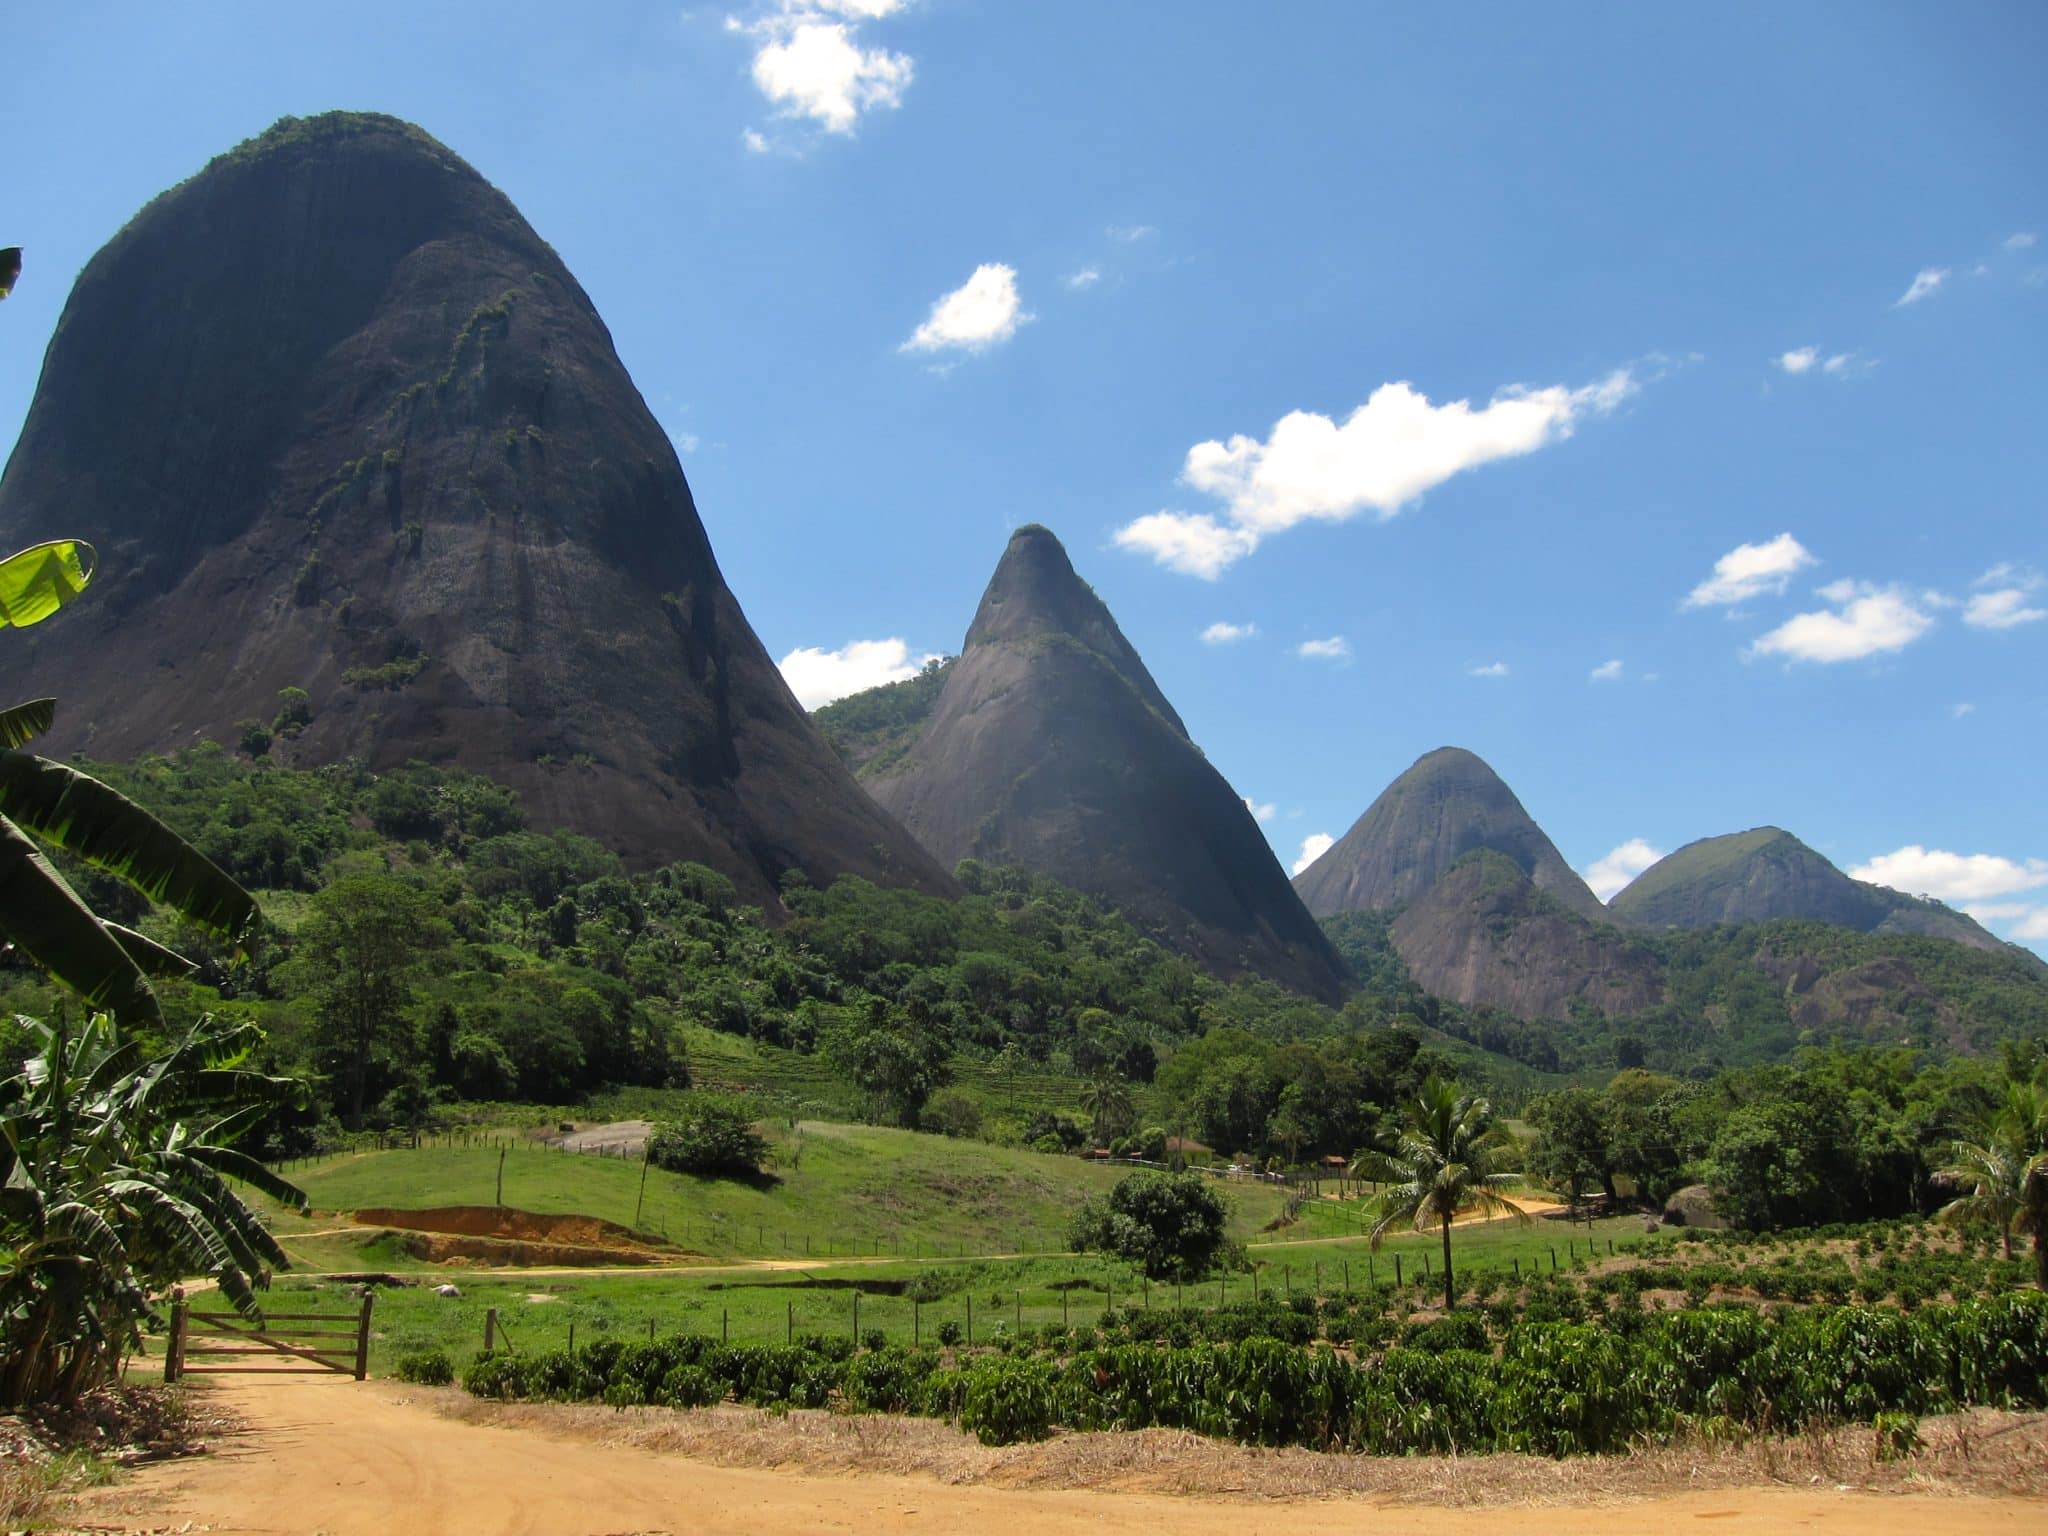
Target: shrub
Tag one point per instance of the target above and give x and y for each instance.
(426, 1367)
(1170, 1225)
(712, 1134)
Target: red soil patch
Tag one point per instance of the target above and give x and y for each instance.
(501, 1235)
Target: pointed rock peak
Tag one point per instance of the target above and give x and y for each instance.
(1035, 595)
(1447, 804)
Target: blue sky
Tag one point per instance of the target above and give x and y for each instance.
(1650, 399)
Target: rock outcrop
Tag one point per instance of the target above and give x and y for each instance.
(338, 420)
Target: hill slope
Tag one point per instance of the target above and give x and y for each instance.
(1766, 873)
(1446, 805)
(339, 420)
(1051, 747)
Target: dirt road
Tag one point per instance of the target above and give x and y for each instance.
(341, 1458)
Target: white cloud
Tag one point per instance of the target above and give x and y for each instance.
(1087, 277)
(812, 67)
(2003, 609)
(982, 312)
(1926, 281)
(1386, 454)
(1194, 545)
(2006, 607)
(1751, 570)
(1336, 648)
(1221, 633)
(1957, 877)
(1847, 365)
(1491, 669)
(1959, 711)
(2034, 926)
(817, 677)
(1130, 234)
(756, 141)
(1609, 874)
(2025, 240)
(1606, 672)
(1837, 365)
(1260, 812)
(1313, 847)
(1799, 359)
(1866, 621)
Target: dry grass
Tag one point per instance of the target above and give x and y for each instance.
(1983, 1452)
(24, 1494)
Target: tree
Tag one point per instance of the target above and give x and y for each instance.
(1441, 1165)
(1169, 1224)
(114, 1171)
(2006, 1173)
(711, 1134)
(366, 938)
(898, 1061)
(1107, 1098)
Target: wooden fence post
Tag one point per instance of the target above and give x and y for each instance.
(490, 1329)
(363, 1335)
(174, 1353)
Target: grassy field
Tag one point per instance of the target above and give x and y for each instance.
(833, 1190)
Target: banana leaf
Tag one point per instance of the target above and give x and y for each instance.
(42, 578)
(44, 916)
(107, 829)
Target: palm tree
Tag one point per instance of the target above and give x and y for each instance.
(1107, 1098)
(2006, 1174)
(114, 1171)
(1441, 1165)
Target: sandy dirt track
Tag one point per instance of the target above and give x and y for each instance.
(340, 1458)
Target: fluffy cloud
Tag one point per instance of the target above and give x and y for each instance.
(1799, 359)
(1926, 281)
(2001, 599)
(1221, 633)
(1313, 847)
(1386, 454)
(981, 313)
(1751, 570)
(2025, 240)
(2002, 609)
(1847, 365)
(1130, 234)
(1606, 672)
(1087, 277)
(1838, 365)
(1865, 621)
(1956, 877)
(1491, 669)
(1265, 812)
(1609, 874)
(817, 677)
(810, 65)
(1336, 648)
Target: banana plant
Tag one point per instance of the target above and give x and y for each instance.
(115, 1172)
(40, 914)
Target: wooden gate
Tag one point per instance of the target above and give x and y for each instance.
(304, 1339)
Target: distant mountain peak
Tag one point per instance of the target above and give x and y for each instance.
(1445, 805)
(1051, 747)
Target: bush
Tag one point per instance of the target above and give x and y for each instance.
(1170, 1225)
(426, 1367)
(712, 1134)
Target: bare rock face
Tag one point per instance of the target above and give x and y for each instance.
(1766, 873)
(1443, 808)
(1486, 934)
(1051, 747)
(338, 419)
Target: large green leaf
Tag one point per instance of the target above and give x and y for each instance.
(151, 957)
(106, 828)
(42, 578)
(24, 722)
(44, 916)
